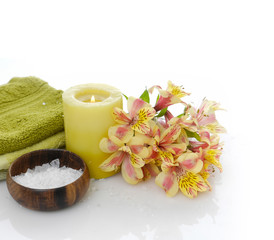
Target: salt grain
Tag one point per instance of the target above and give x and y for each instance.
(48, 176)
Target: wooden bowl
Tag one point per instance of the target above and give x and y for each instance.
(48, 199)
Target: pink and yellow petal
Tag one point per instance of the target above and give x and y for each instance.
(130, 174)
(120, 116)
(175, 148)
(205, 175)
(141, 122)
(123, 132)
(167, 158)
(136, 161)
(191, 162)
(134, 105)
(191, 183)
(150, 170)
(171, 134)
(176, 90)
(113, 162)
(107, 146)
(140, 150)
(215, 127)
(168, 182)
(212, 156)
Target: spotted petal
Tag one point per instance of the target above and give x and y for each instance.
(120, 116)
(167, 158)
(168, 182)
(191, 183)
(140, 122)
(136, 161)
(131, 174)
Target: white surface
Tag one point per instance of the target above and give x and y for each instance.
(222, 50)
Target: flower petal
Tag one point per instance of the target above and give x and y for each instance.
(150, 170)
(191, 162)
(215, 128)
(150, 90)
(134, 105)
(205, 176)
(167, 158)
(168, 182)
(170, 135)
(176, 148)
(123, 132)
(130, 174)
(113, 162)
(140, 150)
(136, 160)
(140, 122)
(176, 90)
(191, 183)
(120, 116)
(107, 146)
(212, 156)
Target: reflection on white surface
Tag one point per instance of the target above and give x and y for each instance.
(113, 209)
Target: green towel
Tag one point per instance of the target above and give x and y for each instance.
(30, 111)
(55, 141)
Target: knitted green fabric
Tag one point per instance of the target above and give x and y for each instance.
(55, 141)
(30, 111)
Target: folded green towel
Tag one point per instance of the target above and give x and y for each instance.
(55, 141)
(30, 111)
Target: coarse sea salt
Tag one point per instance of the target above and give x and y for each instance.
(48, 176)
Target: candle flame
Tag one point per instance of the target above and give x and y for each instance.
(92, 99)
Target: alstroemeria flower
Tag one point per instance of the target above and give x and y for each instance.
(205, 117)
(168, 97)
(150, 169)
(164, 145)
(209, 148)
(140, 113)
(185, 176)
(125, 154)
(185, 122)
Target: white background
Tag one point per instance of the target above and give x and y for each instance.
(222, 50)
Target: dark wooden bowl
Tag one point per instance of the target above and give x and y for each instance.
(48, 199)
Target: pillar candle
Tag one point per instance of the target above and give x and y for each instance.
(87, 117)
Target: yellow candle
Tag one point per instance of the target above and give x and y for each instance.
(87, 116)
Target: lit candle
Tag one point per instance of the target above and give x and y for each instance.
(87, 116)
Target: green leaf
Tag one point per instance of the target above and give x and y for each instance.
(193, 135)
(145, 96)
(180, 115)
(157, 98)
(126, 97)
(162, 112)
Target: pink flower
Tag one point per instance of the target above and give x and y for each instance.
(168, 97)
(205, 117)
(126, 154)
(184, 175)
(140, 113)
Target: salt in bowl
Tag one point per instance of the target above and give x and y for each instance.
(48, 199)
